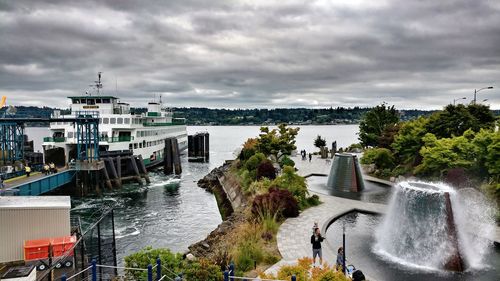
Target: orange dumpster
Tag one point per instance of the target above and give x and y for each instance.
(36, 249)
(61, 245)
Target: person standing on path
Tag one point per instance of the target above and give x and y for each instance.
(316, 240)
(310, 156)
(340, 259)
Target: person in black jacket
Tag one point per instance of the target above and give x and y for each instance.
(316, 240)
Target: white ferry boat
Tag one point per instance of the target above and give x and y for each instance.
(120, 129)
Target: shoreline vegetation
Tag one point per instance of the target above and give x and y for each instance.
(197, 116)
(255, 193)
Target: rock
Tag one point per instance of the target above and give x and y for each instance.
(205, 245)
(401, 178)
(190, 257)
(392, 179)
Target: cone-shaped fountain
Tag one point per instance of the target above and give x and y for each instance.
(421, 229)
(345, 174)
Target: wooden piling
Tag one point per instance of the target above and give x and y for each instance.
(168, 165)
(119, 169)
(136, 170)
(142, 168)
(176, 156)
(112, 171)
(207, 147)
(106, 177)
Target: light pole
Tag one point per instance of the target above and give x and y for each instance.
(455, 100)
(477, 91)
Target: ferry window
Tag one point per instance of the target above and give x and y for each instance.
(127, 120)
(91, 101)
(83, 101)
(113, 121)
(130, 146)
(106, 101)
(70, 135)
(120, 120)
(135, 145)
(105, 120)
(75, 101)
(98, 101)
(140, 145)
(138, 134)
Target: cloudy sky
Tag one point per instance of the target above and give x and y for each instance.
(257, 53)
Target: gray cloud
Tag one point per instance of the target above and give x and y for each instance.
(233, 54)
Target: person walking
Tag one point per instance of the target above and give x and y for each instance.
(316, 240)
(46, 169)
(310, 157)
(27, 169)
(52, 168)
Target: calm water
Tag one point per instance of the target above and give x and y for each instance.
(174, 212)
(360, 239)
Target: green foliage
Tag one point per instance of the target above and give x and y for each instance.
(277, 203)
(254, 161)
(286, 272)
(202, 270)
(259, 187)
(319, 142)
(286, 161)
(332, 276)
(277, 142)
(148, 255)
(248, 251)
(388, 134)
(441, 154)
(493, 157)
(455, 120)
(374, 123)
(294, 183)
(408, 141)
(381, 157)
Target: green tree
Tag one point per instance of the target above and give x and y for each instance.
(277, 142)
(408, 141)
(374, 123)
(493, 157)
(294, 183)
(381, 157)
(319, 142)
(454, 120)
(438, 155)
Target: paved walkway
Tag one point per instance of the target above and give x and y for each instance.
(295, 233)
(293, 247)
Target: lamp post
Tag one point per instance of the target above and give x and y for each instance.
(343, 247)
(455, 100)
(477, 91)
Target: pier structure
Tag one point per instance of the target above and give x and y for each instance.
(91, 170)
(199, 147)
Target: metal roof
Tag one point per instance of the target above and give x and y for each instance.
(35, 202)
(92, 97)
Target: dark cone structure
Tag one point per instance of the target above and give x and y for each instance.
(345, 174)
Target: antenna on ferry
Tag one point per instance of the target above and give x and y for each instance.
(98, 83)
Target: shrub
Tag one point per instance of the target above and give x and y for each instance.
(248, 252)
(319, 142)
(253, 162)
(266, 170)
(246, 153)
(286, 161)
(258, 187)
(294, 183)
(202, 270)
(286, 272)
(276, 201)
(148, 255)
(381, 157)
(313, 200)
(332, 276)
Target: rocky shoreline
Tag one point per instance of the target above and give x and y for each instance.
(215, 245)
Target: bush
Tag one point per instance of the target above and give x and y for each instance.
(313, 200)
(381, 157)
(246, 153)
(294, 183)
(266, 170)
(286, 272)
(202, 270)
(148, 255)
(254, 161)
(319, 142)
(277, 201)
(247, 253)
(286, 161)
(259, 187)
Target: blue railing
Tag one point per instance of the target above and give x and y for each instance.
(43, 185)
(158, 274)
